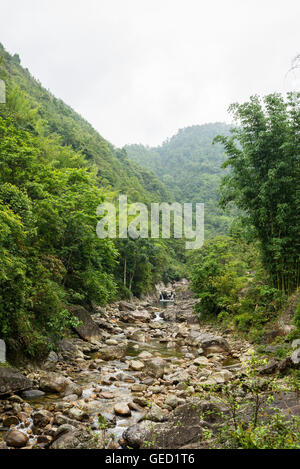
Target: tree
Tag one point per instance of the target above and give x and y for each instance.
(265, 178)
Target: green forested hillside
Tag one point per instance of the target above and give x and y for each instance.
(190, 166)
(55, 169)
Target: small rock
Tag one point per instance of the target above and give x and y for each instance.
(145, 355)
(156, 413)
(122, 409)
(10, 420)
(136, 365)
(16, 439)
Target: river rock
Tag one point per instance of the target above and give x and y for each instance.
(145, 355)
(201, 361)
(180, 376)
(10, 420)
(56, 383)
(11, 381)
(138, 387)
(124, 306)
(67, 349)
(138, 336)
(156, 367)
(78, 414)
(41, 418)
(16, 439)
(135, 435)
(136, 316)
(173, 401)
(32, 394)
(112, 352)
(184, 427)
(106, 395)
(69, 437)
(208, 342)
(295, 357)
(156, 413)
(136, 365)
(122, 409)
(295, 344)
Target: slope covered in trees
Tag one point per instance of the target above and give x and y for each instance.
(191, 167)
(55, 169)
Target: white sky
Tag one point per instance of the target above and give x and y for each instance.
(140, 69)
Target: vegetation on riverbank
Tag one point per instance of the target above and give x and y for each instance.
(55, 169)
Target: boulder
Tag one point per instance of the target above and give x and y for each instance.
(41, 418)
(295, 344)
(124, 306)
(156, 413)
(78, 414)
(156, 367)
(12, 381)
(135, 435)
(16, 439)
(145, 355)
(295, 358)
(201, 361)
(112, 352)
(136, 365)
(208, 342)
(56, 383)
(185, 427)
(180, 376)
(32, 394)
(67, 349)
(10, 420)
(69, 437)
(137, 316)
(88, 330)
(122, 409)
(269, 368)
(173, 401)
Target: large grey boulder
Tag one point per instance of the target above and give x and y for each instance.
(137, 434)
(180, 376)
(56, 383)
(185, 427)
(136, 316)
(124, 306)
(155, 367)
(208, 342)
(12, 381)
(88, 330)
(112, 352)
(69, 437)
(156, 413)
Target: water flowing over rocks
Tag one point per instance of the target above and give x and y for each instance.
(138, 370)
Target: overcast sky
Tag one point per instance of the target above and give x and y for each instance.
(139, 70)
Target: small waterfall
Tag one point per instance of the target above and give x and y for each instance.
(158, 316)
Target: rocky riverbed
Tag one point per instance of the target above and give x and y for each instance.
(133, 370)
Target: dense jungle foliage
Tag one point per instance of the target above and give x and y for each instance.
(191, 167)
(249, 276)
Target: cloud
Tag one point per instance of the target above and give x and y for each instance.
(138, 69)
